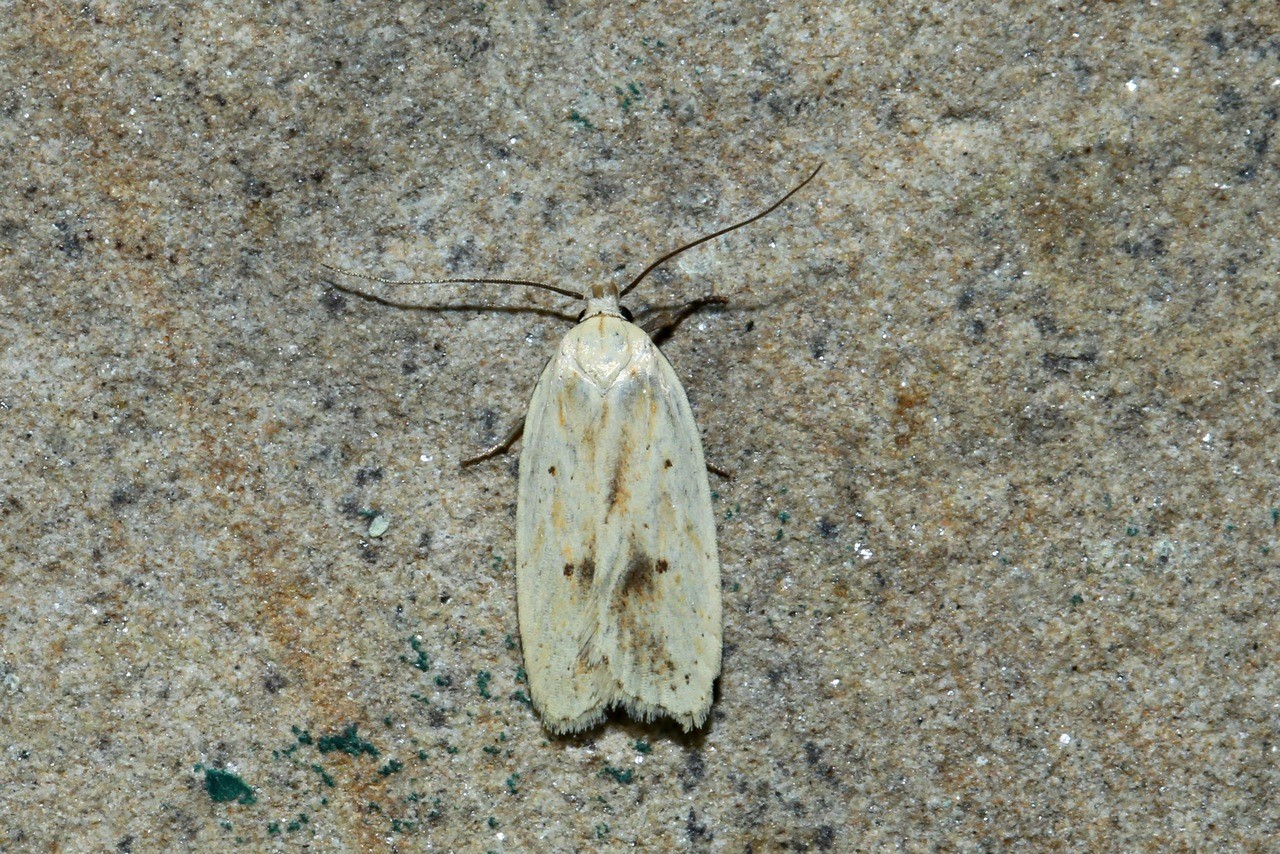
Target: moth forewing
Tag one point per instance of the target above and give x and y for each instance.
(618, 583)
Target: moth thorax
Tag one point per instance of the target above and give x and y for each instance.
(602, 299)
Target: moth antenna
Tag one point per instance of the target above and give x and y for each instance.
(521, 282)
(674, 252)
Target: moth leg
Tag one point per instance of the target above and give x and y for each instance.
(500, 448)
(715, 469)
(665, 321)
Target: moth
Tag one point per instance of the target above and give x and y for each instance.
(617, 573)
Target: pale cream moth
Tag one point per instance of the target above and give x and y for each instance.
(617, 574)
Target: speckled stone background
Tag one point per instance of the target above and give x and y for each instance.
(999, 390)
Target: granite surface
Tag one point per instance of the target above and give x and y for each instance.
(998, 391)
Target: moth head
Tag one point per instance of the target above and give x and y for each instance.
(602, 299)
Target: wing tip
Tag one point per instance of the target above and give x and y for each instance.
(689, 720)
(575, 725)
(637, 709)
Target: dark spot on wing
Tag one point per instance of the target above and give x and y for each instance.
(639, 623)
(667, 464)
(588, 570)
(552, 471)
(637, 578)
(568, 570)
